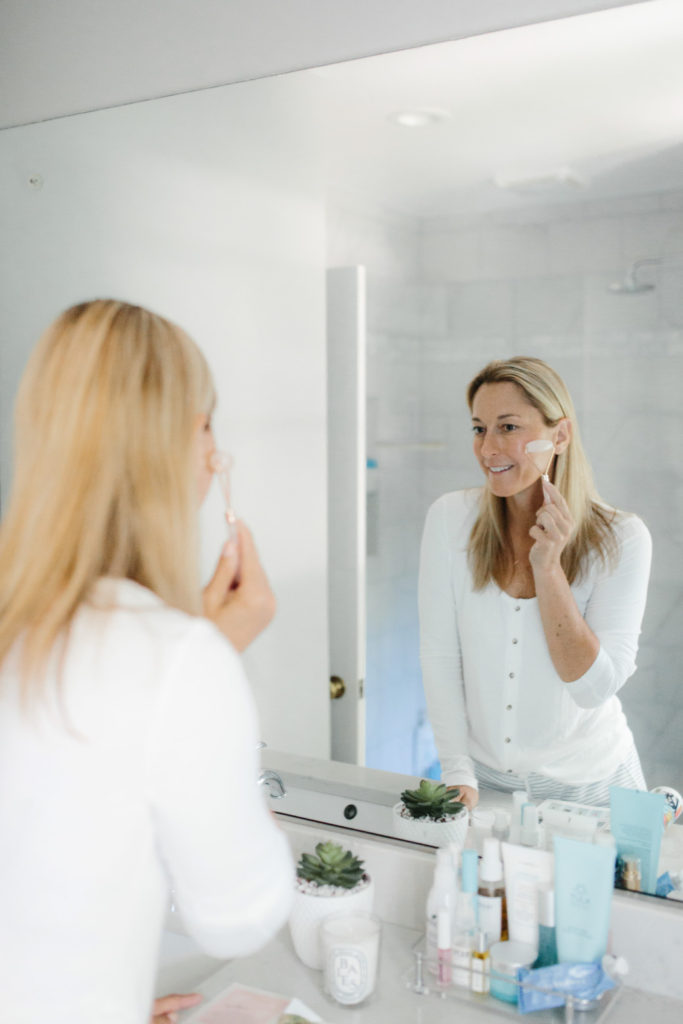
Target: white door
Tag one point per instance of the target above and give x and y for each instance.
(346, 507)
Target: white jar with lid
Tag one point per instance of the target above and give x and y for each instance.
(506, 959)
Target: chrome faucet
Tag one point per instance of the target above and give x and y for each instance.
(272, 780)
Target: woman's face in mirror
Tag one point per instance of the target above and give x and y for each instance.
(205, 446)
(503, 423)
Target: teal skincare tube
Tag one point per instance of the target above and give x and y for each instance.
(584, 878)
(636, 823)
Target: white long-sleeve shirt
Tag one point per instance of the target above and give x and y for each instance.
(141, 776)
(492, 691)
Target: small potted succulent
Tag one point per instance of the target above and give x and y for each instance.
(431, 814)
(330, 881)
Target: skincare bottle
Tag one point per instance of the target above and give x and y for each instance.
(442, 895)
(501, 826)
(519, 798)
(547, 942)
(630, 875)
(481, 828)
(444, 967)
(465, 920)
(491, 909)
(530, 835)
(481, 965)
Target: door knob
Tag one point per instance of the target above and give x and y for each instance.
(337, 687)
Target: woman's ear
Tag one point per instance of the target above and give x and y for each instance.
(563, 435)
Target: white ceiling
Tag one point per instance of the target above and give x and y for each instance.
(601, 93)
(59, 57)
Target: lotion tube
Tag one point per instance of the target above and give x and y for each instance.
(584, 878)
(636, 824)
(526, 870)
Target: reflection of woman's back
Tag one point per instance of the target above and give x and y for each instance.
(531, 597)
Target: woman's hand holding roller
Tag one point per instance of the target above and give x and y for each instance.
(238, 599)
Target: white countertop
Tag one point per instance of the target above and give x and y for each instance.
(276, 968)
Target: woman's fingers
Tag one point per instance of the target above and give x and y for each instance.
(165, 1009)
(553, 498)
(240, 600)
(467, 795)
(222, 580)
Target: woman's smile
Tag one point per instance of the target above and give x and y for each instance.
(503, 422)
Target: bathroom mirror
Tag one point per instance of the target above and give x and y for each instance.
(500, 223)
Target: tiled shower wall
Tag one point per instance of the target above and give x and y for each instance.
(535, 284)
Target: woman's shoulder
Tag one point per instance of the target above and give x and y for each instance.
(453, 514)
(628, 528)
(458, 506)
(142, 617)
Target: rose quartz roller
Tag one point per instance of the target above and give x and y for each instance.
(221, 464)
(541, 454)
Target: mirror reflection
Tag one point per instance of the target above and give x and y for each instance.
(531, 597)
(516, 193)
(555, 235)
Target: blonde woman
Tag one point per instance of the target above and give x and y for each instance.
(531, 598)
(127, 730)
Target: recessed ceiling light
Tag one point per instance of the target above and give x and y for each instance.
(419, 117)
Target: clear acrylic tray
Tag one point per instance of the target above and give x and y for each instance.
(421, 979)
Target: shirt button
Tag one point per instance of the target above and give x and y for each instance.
(507, 739)
(515, 640)
(511, 675)
(509, 771)
(516, 607)
(508, 707)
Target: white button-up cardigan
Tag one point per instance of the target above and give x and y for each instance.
(492, 691)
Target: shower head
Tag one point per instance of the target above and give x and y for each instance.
(631, 283)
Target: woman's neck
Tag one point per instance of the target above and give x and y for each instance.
(521, 512)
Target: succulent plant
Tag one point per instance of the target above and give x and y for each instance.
(431, 800)
(331, 865)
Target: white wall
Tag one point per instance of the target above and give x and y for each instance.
(207, 208)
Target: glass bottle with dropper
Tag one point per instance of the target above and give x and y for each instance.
(491, 909)
(481, 964)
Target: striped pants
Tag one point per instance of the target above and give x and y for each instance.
(629, 775)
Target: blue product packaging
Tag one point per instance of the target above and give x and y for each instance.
(584, 879)
(636, 819)
(664, 885)
(550, 986)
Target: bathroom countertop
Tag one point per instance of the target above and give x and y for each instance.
(276, 968)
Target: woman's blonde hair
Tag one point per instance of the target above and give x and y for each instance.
(105, 479)
(544, 389)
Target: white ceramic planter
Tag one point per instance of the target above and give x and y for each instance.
(308, 912)
(434, 833)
